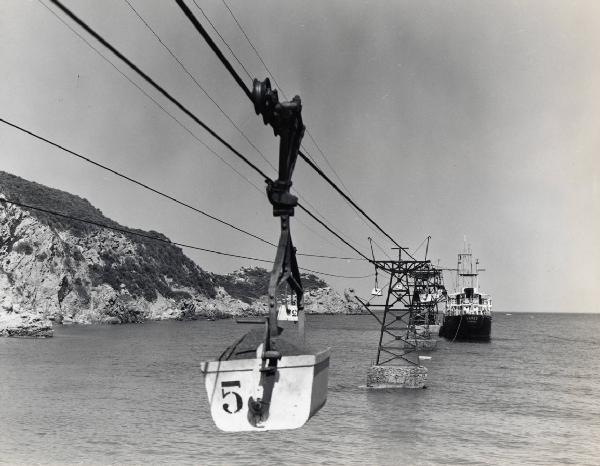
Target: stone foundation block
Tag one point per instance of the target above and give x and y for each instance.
(423, 344)
(396, 377)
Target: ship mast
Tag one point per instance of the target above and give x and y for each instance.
(467, 276)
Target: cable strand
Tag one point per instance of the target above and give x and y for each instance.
(139, 183)
(214, 47)
(240, 82)
(223, 39)
(3, 200)
(154, 84)
(193, 78)
(152, 99)
(179, 105)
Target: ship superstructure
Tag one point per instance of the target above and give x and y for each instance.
(468, 313)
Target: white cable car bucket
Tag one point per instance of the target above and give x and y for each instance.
(376, 292)
(288, 312)
(269, 380)
(295, 391)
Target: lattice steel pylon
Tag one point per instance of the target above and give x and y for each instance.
(429, 292)
(408, 305)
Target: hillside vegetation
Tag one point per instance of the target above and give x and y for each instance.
(163, 268)
(67, 270)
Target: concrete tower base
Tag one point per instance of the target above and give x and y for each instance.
(423, 344)
(396, 377)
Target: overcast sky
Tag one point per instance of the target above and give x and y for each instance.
(449, 119)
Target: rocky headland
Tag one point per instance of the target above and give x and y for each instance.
(55, 270)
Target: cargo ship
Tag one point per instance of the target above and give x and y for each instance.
(468, 313)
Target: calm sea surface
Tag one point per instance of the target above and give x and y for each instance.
(134, 394)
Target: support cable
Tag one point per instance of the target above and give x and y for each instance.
(179, 105)
(240, 27)
(160, 107)
(159, 88)
(381, 249)
(223, 39)
(362, 219)
(253, 48)
(421, 244)
(125, 230)
(170, 115)
(155, 238)
(188, 13)
(270, 73)
(345, 196)
(333, 232)
(333, 274)
(376, 290)
(272, 77)
(156, 191)
(314, 209)
(139, 183)
(214, 47)
(184, 68)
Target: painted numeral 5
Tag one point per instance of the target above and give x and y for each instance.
(238, 398)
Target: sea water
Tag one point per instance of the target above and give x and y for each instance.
(134, 394)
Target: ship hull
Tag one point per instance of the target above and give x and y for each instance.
(466, 328)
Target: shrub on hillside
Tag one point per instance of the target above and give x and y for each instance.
(249, 284)
(23, 247)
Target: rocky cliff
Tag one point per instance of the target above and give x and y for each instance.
(62, 270)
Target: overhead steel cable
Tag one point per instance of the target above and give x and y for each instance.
(333, 232)
(190, 15)
(126, 231)
(223, 39)
(152, 99)
(329, 257)
(345, 196)
(280, 88)
(421, 244)
(333, 274)
(348, 198)
(179, 105)
(327, 161)
(241, 28)
(215, 48)
(250, 77)
(359, 216)
(191, 76)
(341, 182)
(156, 86)
(270, 73)
(312, 206)
(156, 191)
(170, 115)
(154, 238)
(380, 248)
(137, 182)
(253, 48)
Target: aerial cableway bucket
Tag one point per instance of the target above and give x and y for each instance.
(269, 379)
(288, 311)
(266, 394)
